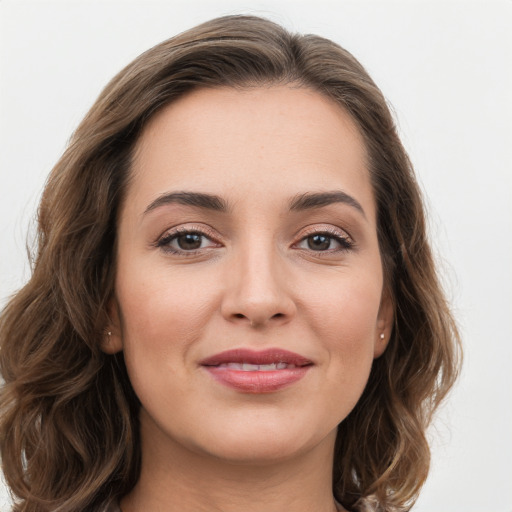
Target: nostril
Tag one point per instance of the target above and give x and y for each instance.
(254, 322)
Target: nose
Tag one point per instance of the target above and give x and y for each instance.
(257, 290)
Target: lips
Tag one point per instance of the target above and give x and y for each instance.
(257, 371)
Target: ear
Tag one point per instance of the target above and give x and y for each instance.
(385, 321)
(112, 341)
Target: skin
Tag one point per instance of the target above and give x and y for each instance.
(255, 282)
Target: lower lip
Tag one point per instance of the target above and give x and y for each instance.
(257, 381)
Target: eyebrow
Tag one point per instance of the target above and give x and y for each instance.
(311, 200)
(197, 199)
(301, 202)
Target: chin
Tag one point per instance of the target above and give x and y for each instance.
(262, 443)
(257, 453)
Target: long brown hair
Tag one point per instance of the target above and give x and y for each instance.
(69, 417)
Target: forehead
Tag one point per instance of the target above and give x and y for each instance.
(225, 140)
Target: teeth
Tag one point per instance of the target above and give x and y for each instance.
(249, 367)
(233, 366)
(246, 367)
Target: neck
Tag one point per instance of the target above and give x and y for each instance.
(174, 478)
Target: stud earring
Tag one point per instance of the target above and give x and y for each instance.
(109, 333)
(382, 336)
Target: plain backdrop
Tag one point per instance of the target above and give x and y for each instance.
(445, 68)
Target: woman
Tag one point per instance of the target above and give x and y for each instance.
(233, 304)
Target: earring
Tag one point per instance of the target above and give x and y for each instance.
(109, 333)
(382, 336)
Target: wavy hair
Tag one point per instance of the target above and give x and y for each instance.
(69, 433)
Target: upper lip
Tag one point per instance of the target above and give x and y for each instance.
(268, 356)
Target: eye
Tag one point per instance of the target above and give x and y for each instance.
(324, 242)
(185, 241)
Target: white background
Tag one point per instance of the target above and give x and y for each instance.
(445, 68)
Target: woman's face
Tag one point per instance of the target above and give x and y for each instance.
(249, 281)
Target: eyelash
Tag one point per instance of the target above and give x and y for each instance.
(163, 243)
(343, 239)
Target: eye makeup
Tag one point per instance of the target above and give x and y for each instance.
(192, 240)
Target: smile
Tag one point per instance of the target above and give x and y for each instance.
(248, 367)
(257, 371)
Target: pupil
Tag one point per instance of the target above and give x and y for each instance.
(189, 241)
(319, 242)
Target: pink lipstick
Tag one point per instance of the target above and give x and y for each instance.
(252, 371)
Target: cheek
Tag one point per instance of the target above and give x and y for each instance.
(163, 313)
(345, 307)
(162, 318)
(344, 318)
